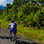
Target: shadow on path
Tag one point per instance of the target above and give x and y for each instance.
(23, 42)
(18, 41)
(2, 37)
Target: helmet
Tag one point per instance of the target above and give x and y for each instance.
(12, 20)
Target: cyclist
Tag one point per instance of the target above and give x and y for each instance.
(13, 28)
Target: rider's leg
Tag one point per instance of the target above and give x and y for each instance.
(15, 35)
(10, 32)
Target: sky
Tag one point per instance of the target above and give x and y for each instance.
(4, 2)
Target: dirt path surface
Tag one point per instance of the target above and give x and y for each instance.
(4, 39)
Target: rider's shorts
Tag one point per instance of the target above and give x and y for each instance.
(15, 31)
(11, 30)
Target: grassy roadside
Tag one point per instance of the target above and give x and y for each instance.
(28, 33)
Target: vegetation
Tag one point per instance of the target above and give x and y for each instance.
(28, 16)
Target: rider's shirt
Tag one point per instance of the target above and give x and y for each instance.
(13, 25)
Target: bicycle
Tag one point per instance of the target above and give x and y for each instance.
(13, 37)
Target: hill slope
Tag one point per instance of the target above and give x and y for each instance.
(4, 39)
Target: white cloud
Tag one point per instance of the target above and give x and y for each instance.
(4, 2)
(10, 1)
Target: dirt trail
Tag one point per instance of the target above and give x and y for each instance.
(4, 39)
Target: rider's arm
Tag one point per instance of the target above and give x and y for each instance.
(8, 26)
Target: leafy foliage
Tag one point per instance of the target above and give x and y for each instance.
(27, 13)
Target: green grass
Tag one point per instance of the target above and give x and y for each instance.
(28, 33)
